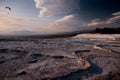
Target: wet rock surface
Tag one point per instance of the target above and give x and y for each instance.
(75, 58)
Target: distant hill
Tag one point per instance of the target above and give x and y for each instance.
(31, 34)
(24, 32)
(107, 30)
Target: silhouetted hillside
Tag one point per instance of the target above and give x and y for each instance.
(107, 30)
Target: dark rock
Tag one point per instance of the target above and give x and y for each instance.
(2, 57)
(32, 61)
(2, 62)
(44, 43)
(81, 51)
(3, 50)
(102, 45)
(58, 57)
(37, 55)
(45, 79)
(17, 51)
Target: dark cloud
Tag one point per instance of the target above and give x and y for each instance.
(115, 19)
(90, 14)
(91, 9)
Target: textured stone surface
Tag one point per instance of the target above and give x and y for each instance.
(75, 58)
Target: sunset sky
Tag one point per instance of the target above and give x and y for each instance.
(54, 16)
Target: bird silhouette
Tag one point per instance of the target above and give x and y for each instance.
(8, 8)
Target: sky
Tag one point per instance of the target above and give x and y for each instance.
(58, 16)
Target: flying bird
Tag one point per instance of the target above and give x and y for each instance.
(8, 8)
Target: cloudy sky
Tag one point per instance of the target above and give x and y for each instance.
(56, 16)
